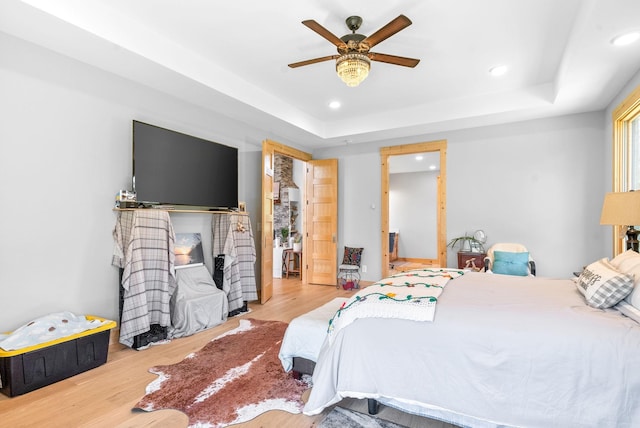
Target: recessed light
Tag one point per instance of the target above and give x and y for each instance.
(432, 167)
(498, 70)
(334, 105)
(626, 39)
(419, 158)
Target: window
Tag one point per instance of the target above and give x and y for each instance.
(626, 151)
(634, 149)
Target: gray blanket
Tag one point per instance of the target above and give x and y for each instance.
(197, 304)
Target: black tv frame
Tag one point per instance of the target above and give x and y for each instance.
(172, 168)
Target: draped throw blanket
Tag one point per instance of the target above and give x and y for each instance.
(144, 248)
(409, 295)
(232, 236)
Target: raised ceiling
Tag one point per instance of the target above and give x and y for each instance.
(231, 57)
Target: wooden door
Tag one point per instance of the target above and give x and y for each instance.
(321, 224)
(266, 282)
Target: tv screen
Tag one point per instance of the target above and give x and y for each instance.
(178, 169)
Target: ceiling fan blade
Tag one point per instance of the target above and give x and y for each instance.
(323, 32)
(313, 61)
(392, 59)
(400, 23)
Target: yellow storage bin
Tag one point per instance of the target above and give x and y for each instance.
(24, 370)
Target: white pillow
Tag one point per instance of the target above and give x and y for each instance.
(629, 262)
(628, 310)
(626, 261)
(602, 285)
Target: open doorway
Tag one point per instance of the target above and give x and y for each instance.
(320, 224)
(288, 215)
(413, 210)
(432, 188)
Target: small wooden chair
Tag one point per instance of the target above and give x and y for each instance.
(349, 270)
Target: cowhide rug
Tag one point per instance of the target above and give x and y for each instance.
(232, 379)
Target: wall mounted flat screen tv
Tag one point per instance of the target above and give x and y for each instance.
(177, 169)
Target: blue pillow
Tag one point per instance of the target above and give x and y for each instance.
(507, 263)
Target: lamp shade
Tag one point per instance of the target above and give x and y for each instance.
(621, 209)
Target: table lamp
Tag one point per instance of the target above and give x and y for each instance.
(623, 209)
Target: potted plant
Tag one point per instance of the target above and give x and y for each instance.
(285, 235)
(466, 242)
(297, 242)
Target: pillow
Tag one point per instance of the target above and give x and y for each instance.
(628, 310)
(626, 261)
(352, 256)
(507, 263)
(602, 285)
(634, 297)
(629, 262)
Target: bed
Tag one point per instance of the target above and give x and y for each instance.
(501, 351)
(304, 337)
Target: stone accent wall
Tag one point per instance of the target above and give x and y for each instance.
(283, 174)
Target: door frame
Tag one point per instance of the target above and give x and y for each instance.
(406, 149)
(270, 146)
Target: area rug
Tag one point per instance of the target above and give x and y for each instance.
(232, 379)
(345, 418)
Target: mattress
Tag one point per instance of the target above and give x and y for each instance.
(305, 334)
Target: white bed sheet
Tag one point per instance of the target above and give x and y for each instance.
(305, 334)
(502, 351)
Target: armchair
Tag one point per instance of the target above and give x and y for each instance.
(509, 259)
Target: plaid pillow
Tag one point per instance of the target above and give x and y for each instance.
(603, 286)
(352, 256)
(629, 262)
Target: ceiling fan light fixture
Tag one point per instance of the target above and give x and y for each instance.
(353, 68)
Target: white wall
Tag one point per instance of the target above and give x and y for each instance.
(538, 182)
(359, 209)
(413, 211)
(66, 151)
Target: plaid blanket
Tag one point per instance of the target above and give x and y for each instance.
(144, 248)
(233, 237)
(409, 295)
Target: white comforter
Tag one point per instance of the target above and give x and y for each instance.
(305, 334)
(502, 351)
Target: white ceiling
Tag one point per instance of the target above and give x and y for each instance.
(231, 57)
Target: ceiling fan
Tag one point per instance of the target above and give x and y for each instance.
(354, 57)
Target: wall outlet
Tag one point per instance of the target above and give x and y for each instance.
(364, 268)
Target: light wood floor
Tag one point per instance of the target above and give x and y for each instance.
(103, 397)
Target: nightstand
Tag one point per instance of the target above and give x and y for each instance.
(467, 260)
